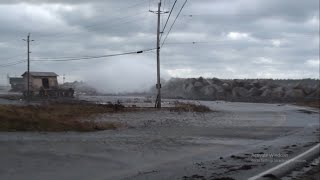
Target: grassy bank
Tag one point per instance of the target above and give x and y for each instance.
(313, 104)
(71, 117)
(189, 107)
(55, 117)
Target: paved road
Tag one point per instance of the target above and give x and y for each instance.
(166, 145)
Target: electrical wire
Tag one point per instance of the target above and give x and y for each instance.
(12, 57)
(93, 57)
(8, 63)
(193, 42)
(62, 34)
(12, 63)
(165, 25)
(80, 57)
(112, 22)
(216, 42)
(174, 22)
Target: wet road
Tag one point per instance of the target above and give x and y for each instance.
(165, 145)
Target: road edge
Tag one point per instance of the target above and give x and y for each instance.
(289, 165)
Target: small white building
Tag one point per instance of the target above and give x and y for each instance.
(38, 80)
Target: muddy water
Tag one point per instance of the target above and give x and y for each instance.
(161, 144)
(5, 101)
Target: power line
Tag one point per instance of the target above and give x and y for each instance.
(62, 34)
(174, 22)
(94, 57)
(119, 23)
(193, 42)
(81, 57)
(117, 26)
(12, 57)
(230, 15)
(217, 42)
(190, 43)
(89, 28)
(12, 63)
(165, 25)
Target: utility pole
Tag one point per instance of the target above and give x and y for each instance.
(158, 59)
(64, 78)
(28, 68)
(158, 12)
(8, 79)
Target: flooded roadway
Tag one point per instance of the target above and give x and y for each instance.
(165, 145)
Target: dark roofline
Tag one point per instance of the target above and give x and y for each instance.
(41, 74)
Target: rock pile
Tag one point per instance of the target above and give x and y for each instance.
(244, 90)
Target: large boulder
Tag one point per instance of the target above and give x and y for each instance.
(220, 92)
(254, 92)
(204, 81)
(266, 93)
(218, 88)
(239, 92)
(277, 92)
(238, 83)
(256, 83)
(298, 85)
(198, 84)
(315, 94)
(190, 81)
(316, 85)
(216, 81)
(188, 88)
(208, 91)
(226, 87)
(294, 93)
(264, 82)
(308, 90)
(248, 85)
(265, 87)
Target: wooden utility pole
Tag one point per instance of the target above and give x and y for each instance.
(158, 12)
(28, 67)
(158, 105)
(8, 79)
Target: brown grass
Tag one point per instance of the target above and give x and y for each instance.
(70, 116)
(55, 117)
(314, 104)
(189, 107)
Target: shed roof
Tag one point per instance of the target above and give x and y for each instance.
(15, 80)
(41, 74)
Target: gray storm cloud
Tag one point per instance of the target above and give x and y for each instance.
(239, 39)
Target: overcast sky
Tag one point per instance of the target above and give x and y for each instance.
(237, 39)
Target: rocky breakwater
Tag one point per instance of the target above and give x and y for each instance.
(248, 90)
